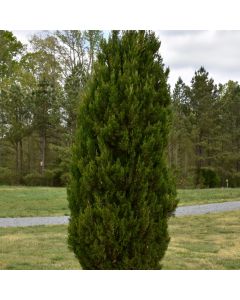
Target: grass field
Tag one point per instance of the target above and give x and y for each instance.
(47, 201)
(205, 196)
(32, 201)
(36, 248)
(197, 242)
(207, 242)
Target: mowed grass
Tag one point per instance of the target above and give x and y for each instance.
(20, 201)
(205, 196)
(203, 242)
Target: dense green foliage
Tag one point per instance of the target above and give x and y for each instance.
(121, 194)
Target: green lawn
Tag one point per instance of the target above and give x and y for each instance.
(204, 196)
(50, 201)
(32, 201)
(200, 242)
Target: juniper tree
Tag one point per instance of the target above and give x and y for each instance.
(121, 194)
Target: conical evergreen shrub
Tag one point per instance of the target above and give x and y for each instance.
(121, 194)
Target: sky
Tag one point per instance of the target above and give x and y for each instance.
(185, 51)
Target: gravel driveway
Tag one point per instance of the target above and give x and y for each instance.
(32, 221)
(207, 208)
(181, 211)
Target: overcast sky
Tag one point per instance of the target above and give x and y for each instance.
(186, 51)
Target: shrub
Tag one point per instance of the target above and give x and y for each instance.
(233, 180)
(33, 179)
(210, 178)
(53, 177)
(7, 176)
(37, 179)
(120, 194)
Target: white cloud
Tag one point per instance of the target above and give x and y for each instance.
(25, 35)
(185, 51)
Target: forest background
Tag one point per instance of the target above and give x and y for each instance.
(40, 89)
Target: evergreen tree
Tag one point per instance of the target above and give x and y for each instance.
(121, 194)
(180, 148)
(229, 134)
(203, 107)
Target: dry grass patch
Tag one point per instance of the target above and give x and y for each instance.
(36, 248)
(204, 242)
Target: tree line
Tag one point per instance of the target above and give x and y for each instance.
(40, 87)
(204, 148)
(42, 84)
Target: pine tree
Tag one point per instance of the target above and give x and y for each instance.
(203, 106)
(180, 150)
(229, 133)
(121, 194)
